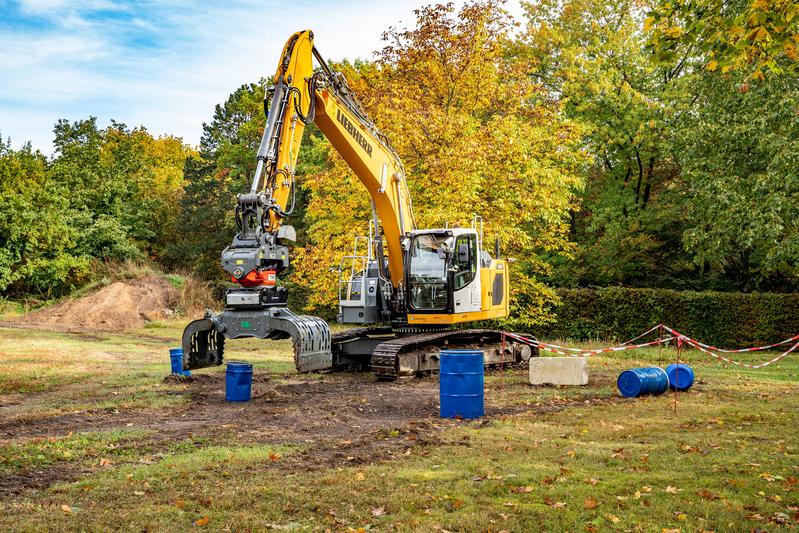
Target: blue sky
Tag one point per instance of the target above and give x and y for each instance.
(161, 64)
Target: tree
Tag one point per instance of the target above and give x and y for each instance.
(739, 151)
(590, 53)
(754, 37)
(106, 195)
(477, 135)
(36, 238)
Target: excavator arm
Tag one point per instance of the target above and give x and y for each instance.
(301, 96)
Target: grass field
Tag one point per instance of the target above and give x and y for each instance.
(93, 438)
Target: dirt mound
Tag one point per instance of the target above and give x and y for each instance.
(120, 306)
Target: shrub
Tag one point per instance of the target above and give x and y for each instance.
(727, 319)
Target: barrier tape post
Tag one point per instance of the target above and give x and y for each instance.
(677, 371)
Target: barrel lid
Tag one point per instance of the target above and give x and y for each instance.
(242, 364)
(629, 384)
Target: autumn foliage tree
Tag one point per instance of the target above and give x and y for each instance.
(477, 135)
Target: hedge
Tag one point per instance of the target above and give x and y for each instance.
(723, 319)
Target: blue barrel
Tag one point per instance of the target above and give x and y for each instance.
(238, 381)
(461, 384)
(639, 381)
(681, 376)
(176, 358)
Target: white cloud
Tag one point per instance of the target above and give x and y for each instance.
(165, 65)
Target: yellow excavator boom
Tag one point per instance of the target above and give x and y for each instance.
(338, 115)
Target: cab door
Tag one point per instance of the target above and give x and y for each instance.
(465, 281)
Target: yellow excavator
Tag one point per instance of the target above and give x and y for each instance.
(408, 286)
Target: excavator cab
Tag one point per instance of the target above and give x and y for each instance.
(449, 279)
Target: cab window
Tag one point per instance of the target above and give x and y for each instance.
(464, 260)
(428, 272)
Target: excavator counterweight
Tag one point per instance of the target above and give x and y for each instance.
(410, 285)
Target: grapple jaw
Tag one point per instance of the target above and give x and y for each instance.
(203, 345)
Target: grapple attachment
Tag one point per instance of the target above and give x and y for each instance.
(204, 340)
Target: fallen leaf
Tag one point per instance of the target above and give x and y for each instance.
(613, 518)
(359, 476)
(138, 492)
(591, 481)
(457, 504)
(180, 504)
(671, 490)
(66, 509)
(792, 480)
(646, 488)
(779, 518)
(105, 463)
(553, 503)
(378, 511)
(706, 494)
(202, 521)
(590, 503)
(273, 456)
(522, 490)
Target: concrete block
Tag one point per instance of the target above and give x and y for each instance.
(558, 370)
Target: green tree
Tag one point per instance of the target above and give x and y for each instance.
(37, 239)
(752, 36)
(591, 54)
(739, 152)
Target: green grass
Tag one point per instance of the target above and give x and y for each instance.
(723, 457)
(45, 451)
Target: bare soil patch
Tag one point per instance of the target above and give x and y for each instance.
(121, 306)
(339, 419)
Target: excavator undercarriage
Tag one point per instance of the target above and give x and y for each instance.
(388, 352)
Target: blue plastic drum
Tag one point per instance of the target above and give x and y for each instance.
(640, 381)
(176, 359)
(681, 376)
(461, 384)
(238, 381)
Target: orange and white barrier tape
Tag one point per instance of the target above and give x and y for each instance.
(674, 334)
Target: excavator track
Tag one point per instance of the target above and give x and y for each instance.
(417, 354)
